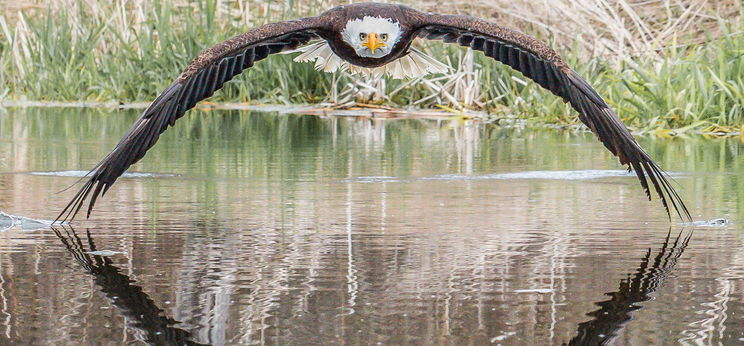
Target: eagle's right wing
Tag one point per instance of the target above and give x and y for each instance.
(205, 75)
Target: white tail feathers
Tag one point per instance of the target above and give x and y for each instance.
(414, 64)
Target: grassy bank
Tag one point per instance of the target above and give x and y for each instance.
(129, 50)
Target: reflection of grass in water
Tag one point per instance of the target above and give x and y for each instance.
(68, 56)
(292, 148)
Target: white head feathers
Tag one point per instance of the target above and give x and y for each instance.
(357, 29)
(357, 34)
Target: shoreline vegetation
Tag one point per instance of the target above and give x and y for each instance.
(371, 111)
(667, 67)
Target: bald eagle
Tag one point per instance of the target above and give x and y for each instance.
(373, 38)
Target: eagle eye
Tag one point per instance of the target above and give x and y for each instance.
(362, 36)
(384, 37)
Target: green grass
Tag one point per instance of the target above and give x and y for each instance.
(71, 56)
(693, 87)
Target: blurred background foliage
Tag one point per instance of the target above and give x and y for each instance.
(662, 64)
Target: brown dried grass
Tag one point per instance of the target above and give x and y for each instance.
(614, 30)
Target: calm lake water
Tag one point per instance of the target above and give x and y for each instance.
(285, 229)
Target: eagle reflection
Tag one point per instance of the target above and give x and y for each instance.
(614, 313)
(147, 321)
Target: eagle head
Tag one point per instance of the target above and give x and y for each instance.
(371, 37)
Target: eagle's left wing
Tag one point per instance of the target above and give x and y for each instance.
(543, 65)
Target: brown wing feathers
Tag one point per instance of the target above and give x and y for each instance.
(207, 74)
(538, 62)
(217, 65)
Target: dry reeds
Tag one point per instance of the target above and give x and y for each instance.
(611, 29)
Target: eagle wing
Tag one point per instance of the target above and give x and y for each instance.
(208, 72)
(543, 65)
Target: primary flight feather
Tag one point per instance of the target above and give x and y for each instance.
(374, 39)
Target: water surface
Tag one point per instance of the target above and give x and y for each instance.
(285, 229)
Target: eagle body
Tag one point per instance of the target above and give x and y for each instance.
(374, 38)
(339, 17)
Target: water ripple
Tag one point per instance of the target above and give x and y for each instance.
(80, 174)
(710, 223)
(8, 221)
(541, 175)
(527, 175)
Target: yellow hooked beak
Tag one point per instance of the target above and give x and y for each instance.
(373, 42)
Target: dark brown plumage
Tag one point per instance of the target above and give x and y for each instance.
(217, 65)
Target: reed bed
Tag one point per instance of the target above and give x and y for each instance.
(662, 64)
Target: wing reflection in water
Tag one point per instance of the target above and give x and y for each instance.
(614, 313)
(147, 321)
